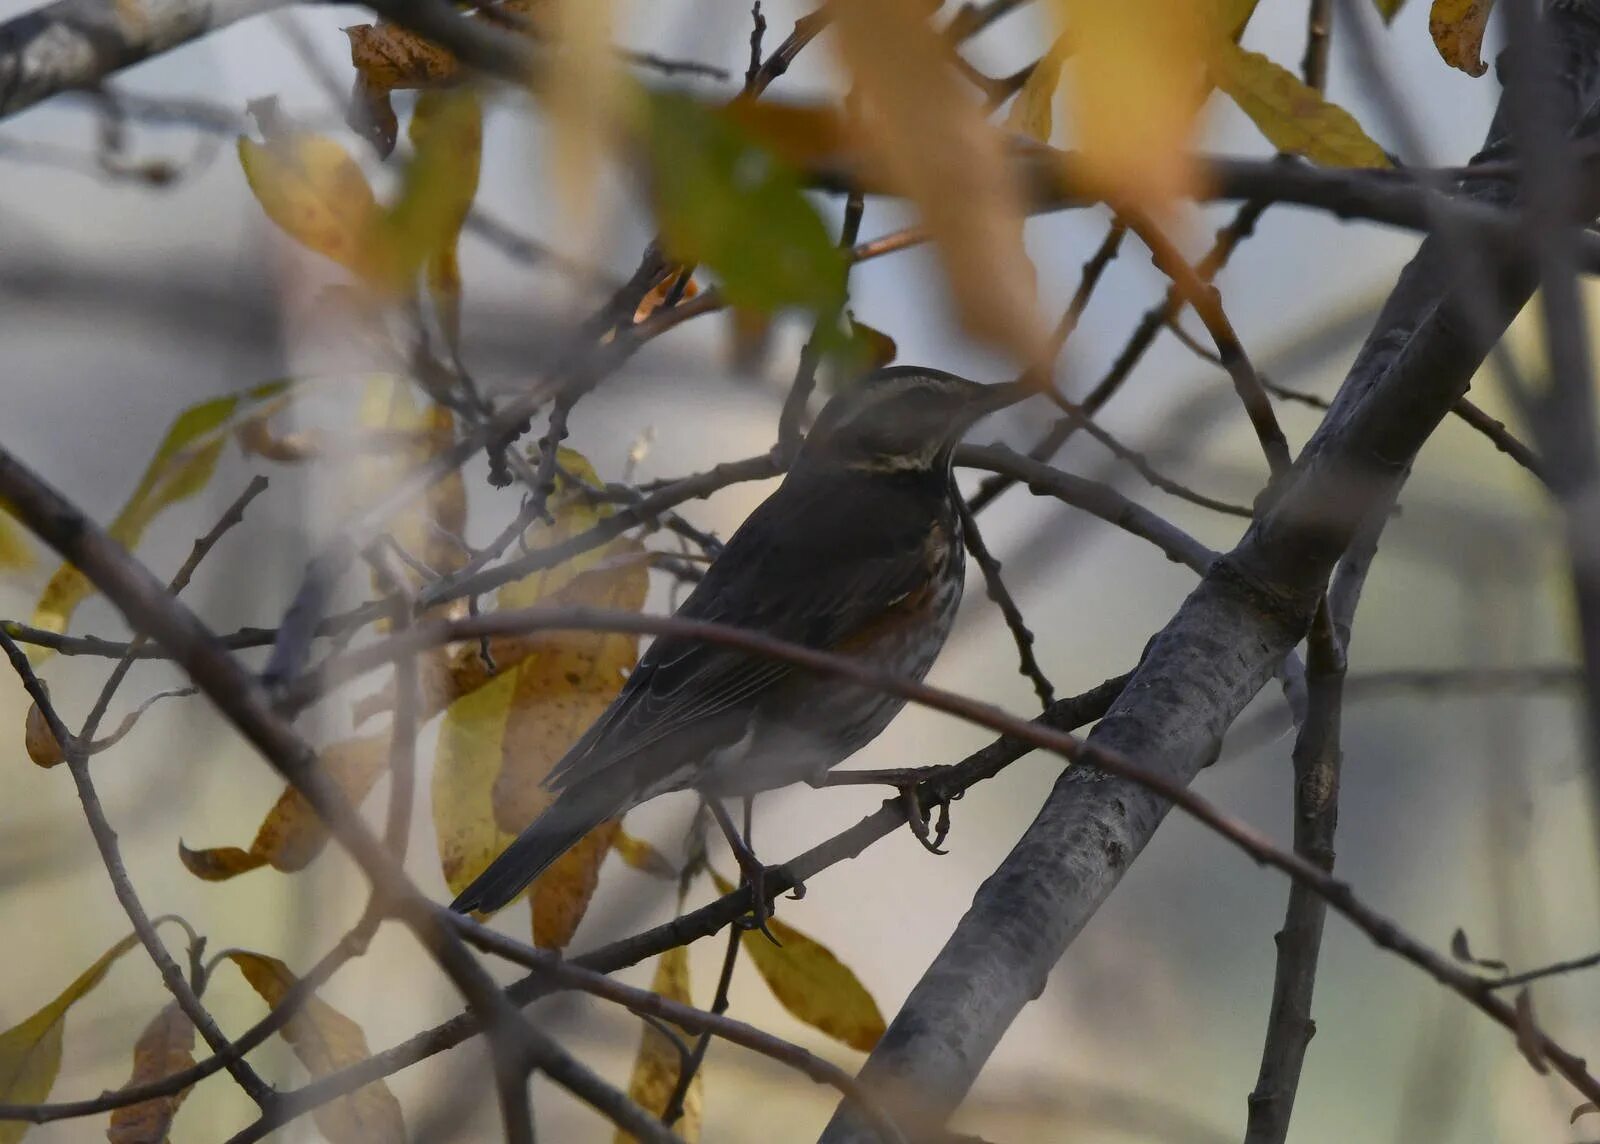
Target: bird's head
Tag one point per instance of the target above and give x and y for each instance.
(903, 420)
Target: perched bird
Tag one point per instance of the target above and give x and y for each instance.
(858, 552)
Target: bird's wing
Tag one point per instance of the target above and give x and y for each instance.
(686, 698)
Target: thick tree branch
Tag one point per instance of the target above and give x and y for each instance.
(1215, 654)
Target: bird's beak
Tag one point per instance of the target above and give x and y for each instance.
(987, 399)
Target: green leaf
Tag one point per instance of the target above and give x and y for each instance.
(724, 201)
(183, 464)
(30, 1053)
(1388, 9)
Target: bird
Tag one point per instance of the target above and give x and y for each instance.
(858, 552)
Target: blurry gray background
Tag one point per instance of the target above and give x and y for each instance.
(121, 304)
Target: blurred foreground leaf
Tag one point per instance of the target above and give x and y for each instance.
(657, 1067)
(165, 1047)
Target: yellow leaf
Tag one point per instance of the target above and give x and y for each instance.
(658, 294)
(1457, 28)
(1295, 118)
(1389, 9)
(442, 180)
(933, 143)
(444, 287)
(1132, 87)
(639, 854)
(165, 1047)
(1033, 111)
(182, 466)
(325, 1041)
(15, 551)
(292, 834)
(311, 187)
(656, 1068)
(810, 982)
(30, 1053)
(1234, 15)
(584, 95)
(501, 737)
(390, 58)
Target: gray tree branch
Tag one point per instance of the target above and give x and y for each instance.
(1214, 655)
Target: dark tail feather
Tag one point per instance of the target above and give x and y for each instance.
(549, 836)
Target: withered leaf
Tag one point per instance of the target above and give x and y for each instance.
(1457, 28)
(165, 1047)
(325, 1041)
(390, 58)
(812, 983)
(39, 741)
(1462, 952)
(292, 834)
(657, 1066)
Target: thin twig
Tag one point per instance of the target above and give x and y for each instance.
(1027, 663)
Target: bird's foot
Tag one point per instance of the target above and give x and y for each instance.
(922, 793)
(753, 874)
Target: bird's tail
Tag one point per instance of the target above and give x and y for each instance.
(573, 814)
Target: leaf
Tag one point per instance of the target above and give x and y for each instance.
(317, 195)
(1389, 9)
(326, 1041)
(639, 854)
(165, 1047)
(810, 982)
(1295, 118)
(501, 736)
(30, 1053)
(15, 551)
(1132, 89)
(657, 1066)
(879, 349)
(583, 94)
(1033, 111)
(183, 464)
(292, 834)
(1583, 1109)
(1529, 1041)
(390, 58)
(40, 741)
(1462, 952)
(723, 201)
(442, 180)
(1457, 28)
(922, 127)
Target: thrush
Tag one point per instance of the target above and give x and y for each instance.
(858, 552)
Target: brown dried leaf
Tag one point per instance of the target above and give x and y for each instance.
(1583, 1109)
(326, 1041)
(1530, 1043)
(292, 834)
(923, 128)
(30, 1053)
(390, 58)
(1294, 117)
(165, 1047)
(1457, 28)
(656, 1068)
(40, 741)
(812, 983)
(560, 896)
(1131, 88)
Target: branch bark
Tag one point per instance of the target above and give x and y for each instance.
(1213, 656)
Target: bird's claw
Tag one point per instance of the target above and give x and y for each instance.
(754, 875)
(917, 800)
